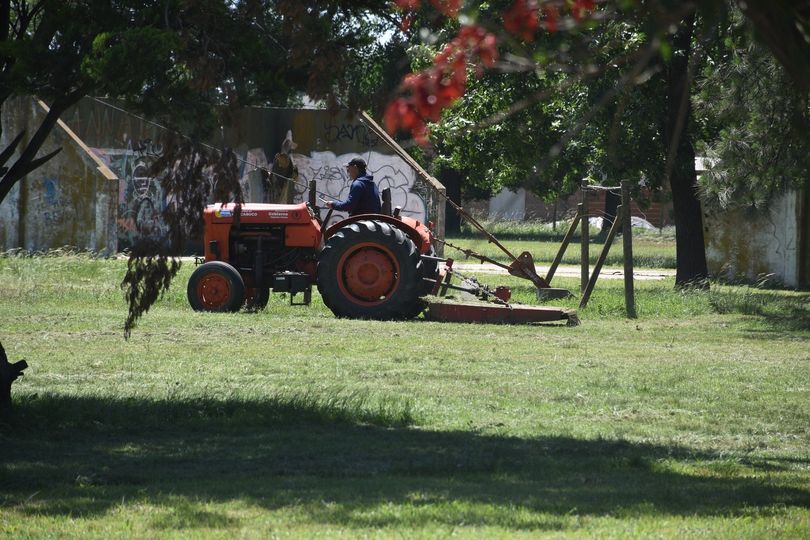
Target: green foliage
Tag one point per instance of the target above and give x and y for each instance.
(546, 127)
(135, 60)
(175, 61)
(761, 143)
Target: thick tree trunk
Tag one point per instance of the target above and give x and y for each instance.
(8, 374)
(690, 249)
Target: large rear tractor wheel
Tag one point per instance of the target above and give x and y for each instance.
(216, 286)
(370, 270)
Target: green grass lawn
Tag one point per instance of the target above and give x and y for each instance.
(691, 421)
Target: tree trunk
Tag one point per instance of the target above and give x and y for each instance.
(611, 204)
(690, 249)
(8, 374)
(451, 179)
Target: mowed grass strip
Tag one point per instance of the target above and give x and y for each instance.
(691, 421)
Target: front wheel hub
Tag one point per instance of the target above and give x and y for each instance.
(369, 273)
(214, 290)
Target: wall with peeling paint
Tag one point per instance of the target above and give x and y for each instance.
(749, 244)
(68, 202)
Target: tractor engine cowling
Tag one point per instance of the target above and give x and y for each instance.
(282, 225)
(253, 250)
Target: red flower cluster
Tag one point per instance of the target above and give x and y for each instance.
(446, 7)
(551, 13)
(429, 92)
(426, 94)
(521, 19)
(581, 8)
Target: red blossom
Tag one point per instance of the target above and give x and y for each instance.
(488, 50)
(581, 8)
(406, 22)
(449, 8)
(521, 19)
(551, 14)
(426, 94)
(408, 5)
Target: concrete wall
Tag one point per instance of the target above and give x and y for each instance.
(748, 243)
(508, 205)
(68, 202)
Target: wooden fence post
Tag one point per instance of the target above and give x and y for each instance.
(627, 239)
(584, 241)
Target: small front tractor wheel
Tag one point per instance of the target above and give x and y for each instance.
(370, 270)
(216, 286)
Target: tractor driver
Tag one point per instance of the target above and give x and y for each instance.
(364, 196)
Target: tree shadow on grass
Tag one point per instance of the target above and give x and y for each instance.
(341, 464)
(779, 312)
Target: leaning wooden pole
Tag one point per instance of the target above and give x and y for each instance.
(586, 295)
(561, 252)
(432, 183)
(627, 238)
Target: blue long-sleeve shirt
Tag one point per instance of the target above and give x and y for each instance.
(364, 197)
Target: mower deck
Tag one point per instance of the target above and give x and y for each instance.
(479, 312)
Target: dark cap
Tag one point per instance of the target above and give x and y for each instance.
(358, 162)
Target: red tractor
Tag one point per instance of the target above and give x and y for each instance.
(370, 266)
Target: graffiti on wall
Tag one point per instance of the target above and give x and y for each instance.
(141, 200)
(333, 183)
(52, 209)
(355, 133)
(140, 197)
(328, 170)
(263, 181)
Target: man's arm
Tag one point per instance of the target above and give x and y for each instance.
(352, 200)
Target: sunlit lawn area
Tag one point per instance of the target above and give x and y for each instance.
(651, 248)
(691, 421)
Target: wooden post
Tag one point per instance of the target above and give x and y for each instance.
(627, 239)
(584, 241)
(566, 240)
(602, 258)
(313, 201)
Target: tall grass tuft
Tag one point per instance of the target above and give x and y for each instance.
(60, 412)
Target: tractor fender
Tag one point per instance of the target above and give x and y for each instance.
(418, 232)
